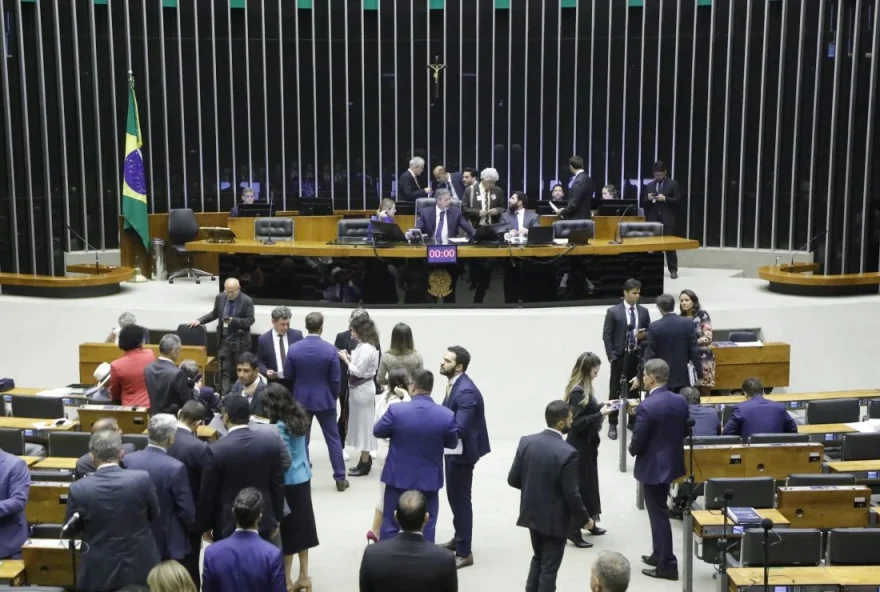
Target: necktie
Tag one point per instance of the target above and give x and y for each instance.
(281, 347)
(630, 340)
(659, 187)
(227, 310)
(438, 234)
(448, 390)
(516, 221)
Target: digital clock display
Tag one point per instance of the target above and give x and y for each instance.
(442, 254)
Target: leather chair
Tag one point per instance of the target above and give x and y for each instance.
(273, 228)
(640, 229)
(192, 335)
(833, 411)
(562, 228)
(428, 202)
(12, 441)
(860, 446)
(139, 441)
(68, 444)
(356, 228)
(874, 409)
(742, 336)
(183, 228)
(755, 492)
(853, 546)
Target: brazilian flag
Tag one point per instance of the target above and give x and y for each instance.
(134, 184)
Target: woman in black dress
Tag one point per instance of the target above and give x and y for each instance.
(587, 415)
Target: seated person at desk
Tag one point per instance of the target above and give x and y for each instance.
(127, 384)
(610, 192)
(15, 485)
(706, 420)
(757, 415)
(86, 465)
(248, 196)
(558, 192)
(442, 222)
(517, 217)
(385, 213)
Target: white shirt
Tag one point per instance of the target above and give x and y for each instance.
(635, 315)
(450, 186)
(279, 359)
(415, 178)
(157, 448)
(238, 427)
(444, 233)
(105, 465)
(167, 359)
(452, 381)
(521, 219)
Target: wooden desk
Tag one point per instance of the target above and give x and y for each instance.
(56, 463)
(31, 460)
(755, 460)
(770, 363)
(24, 390)
(47, 502)
(28, 423)
(831, 575)
(710, 523)
(833, 506)
(90, 283)
(130, 420)
(12, 572)
(48, 562)
(828, 433)
(796, 400)
(862, 469)
(804, 279)
(91, 355)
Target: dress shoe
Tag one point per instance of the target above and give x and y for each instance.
(596, 531)
(661, 574)
(464, 561)
(450, 544)
(361, 470)
(342, 485)
(649, 560)
(612, 432)
(674, 275)
(579, 542)
(675, 513)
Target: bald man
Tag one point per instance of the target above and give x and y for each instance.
(453, 182)
(234, 312)
(85, 465)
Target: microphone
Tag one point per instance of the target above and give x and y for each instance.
(690, 423)
(767, 524)
(807, 244)
(73, 522)
(88, 245)
(617, 240)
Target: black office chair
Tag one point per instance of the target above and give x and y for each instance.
(725, 414)
(139, 441)
(352, 229)
(639, 229)
(269, 230)
(562, 228)
(789, 546)
(742, 336)
(183, 228)
(752, 492)
(833, 411)
(778, 438)
(429, 202)
(860, 446)
(68, 444)
(47, 531)
(53, 475)
(12, 441)
(713, 440)
(874, 409)
(819, 479)
(853, 546)
(37, 407)
(192, 335)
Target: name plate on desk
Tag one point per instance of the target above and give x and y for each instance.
(442, 254)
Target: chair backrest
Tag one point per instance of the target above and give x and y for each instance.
(831, 411)
(192, 335)
(874, 409)
(726, 412)
(45, 531)
(752, 492)
(778, 438)
(426, 202)
(562, 228)
(861, 446)
(713, 440)
(139, 441)
(12, 441)
(352, 228)
(273, 228)
(787, 546)
(37, 407)
(819, 479)
(53, 475)
(182, 226)
(640, 229)
(69, 444)
(853, 546)
(742, 336)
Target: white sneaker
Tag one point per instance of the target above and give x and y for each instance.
(345, 455)
(373, 455)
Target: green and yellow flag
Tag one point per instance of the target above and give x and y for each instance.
(134, 184)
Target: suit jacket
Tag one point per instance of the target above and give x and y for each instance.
(15, 485)
(672, 338)
(545, 471)
(256, 405)
(616, 325)
(419, 430)
(177, 513)
(426, 221)
(457, 183)
(530, 219)
(127, 383)
(167, 387)
(193, 453)
(580, 199)
(116, 507)
(758, 415)
(466, 402)
(408, 189)
(243, 563)
(662, 211)
(242, 458)
(405, 563)
(313, 367)
(238, 333)
(658, 438)
(266, 349)
(471, 205)
(86, 466)
(706, 420)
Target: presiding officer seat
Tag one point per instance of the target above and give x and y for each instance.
(270, 229)
(183, 228)
(640, 229)
(352, 229)
(562, 228)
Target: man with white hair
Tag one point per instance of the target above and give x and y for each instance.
(408, 186)
(610, 573)
(484, 202)
(176, 508)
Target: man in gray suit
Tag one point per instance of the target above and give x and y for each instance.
(167, 384)
(483, 202)
(115, 507)
(517, 217)
(235, 313)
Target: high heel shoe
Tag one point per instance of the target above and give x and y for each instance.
(371, 537)
(302, 584)
(596, 531)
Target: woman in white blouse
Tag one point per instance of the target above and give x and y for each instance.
(363, 363)
(397, 391)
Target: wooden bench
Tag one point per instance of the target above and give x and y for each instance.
(754, 460)
(748, 578)
(832, 506)
(92, 355)
(47, 562)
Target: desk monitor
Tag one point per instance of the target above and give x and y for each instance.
(489, 233)
(616, 207)
(405, 207)
(388, 232)
(255, 210)
(788, 546)
(543, 208)
(315, 206)
(540, 235)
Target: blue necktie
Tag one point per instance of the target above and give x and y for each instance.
(438, 234)
(227, 310)
(630, 339)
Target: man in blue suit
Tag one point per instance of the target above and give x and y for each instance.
(272, 346)
(420, 431)
(442, 222)
(313, 366)
(658, 445)
(757, 415)
(177, 513)
(15, 485)
(464, 399)
(243, 562)
(672, 338)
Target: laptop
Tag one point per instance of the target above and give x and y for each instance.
(540, 235)
(580, 236)
(388, 232)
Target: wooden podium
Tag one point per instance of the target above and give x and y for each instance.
(835, 506)
(48, 562)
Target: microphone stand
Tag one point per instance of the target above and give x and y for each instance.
(688, 518)
(88, 246)
(722, 543)
(807, 244)
(617, 240)
(767, 525)
(622, 399)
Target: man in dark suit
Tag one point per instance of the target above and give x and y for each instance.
(420, 431)
(442, 222)
(234, 312)
(193, 453)
(452, 182)
(272, 346)
(177, 513)
(706, 419)
(242, 458)
(464, 399)
(313, 366)
(243, 562)
(85, 465)
(659, 200)
(408, 186)
(661, 426)
(545, 471)
(249, 383)
(166, 383)
(408, 562)
(483, 202)
(115, 507)
(15, 486)
(624, 329)
(580, 194)
(672, 339)
(517, 217)
(758, 415)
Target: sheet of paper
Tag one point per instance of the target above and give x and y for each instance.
(870, 426)
(453, 451)
(560, 241)
(749, 344)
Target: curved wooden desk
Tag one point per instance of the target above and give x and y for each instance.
(106, 281)
(802, 279)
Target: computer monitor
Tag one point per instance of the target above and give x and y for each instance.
(387, 232)
(543, 208)
(255, 210)
(315, 206)
(616, 207)
(489, 233)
